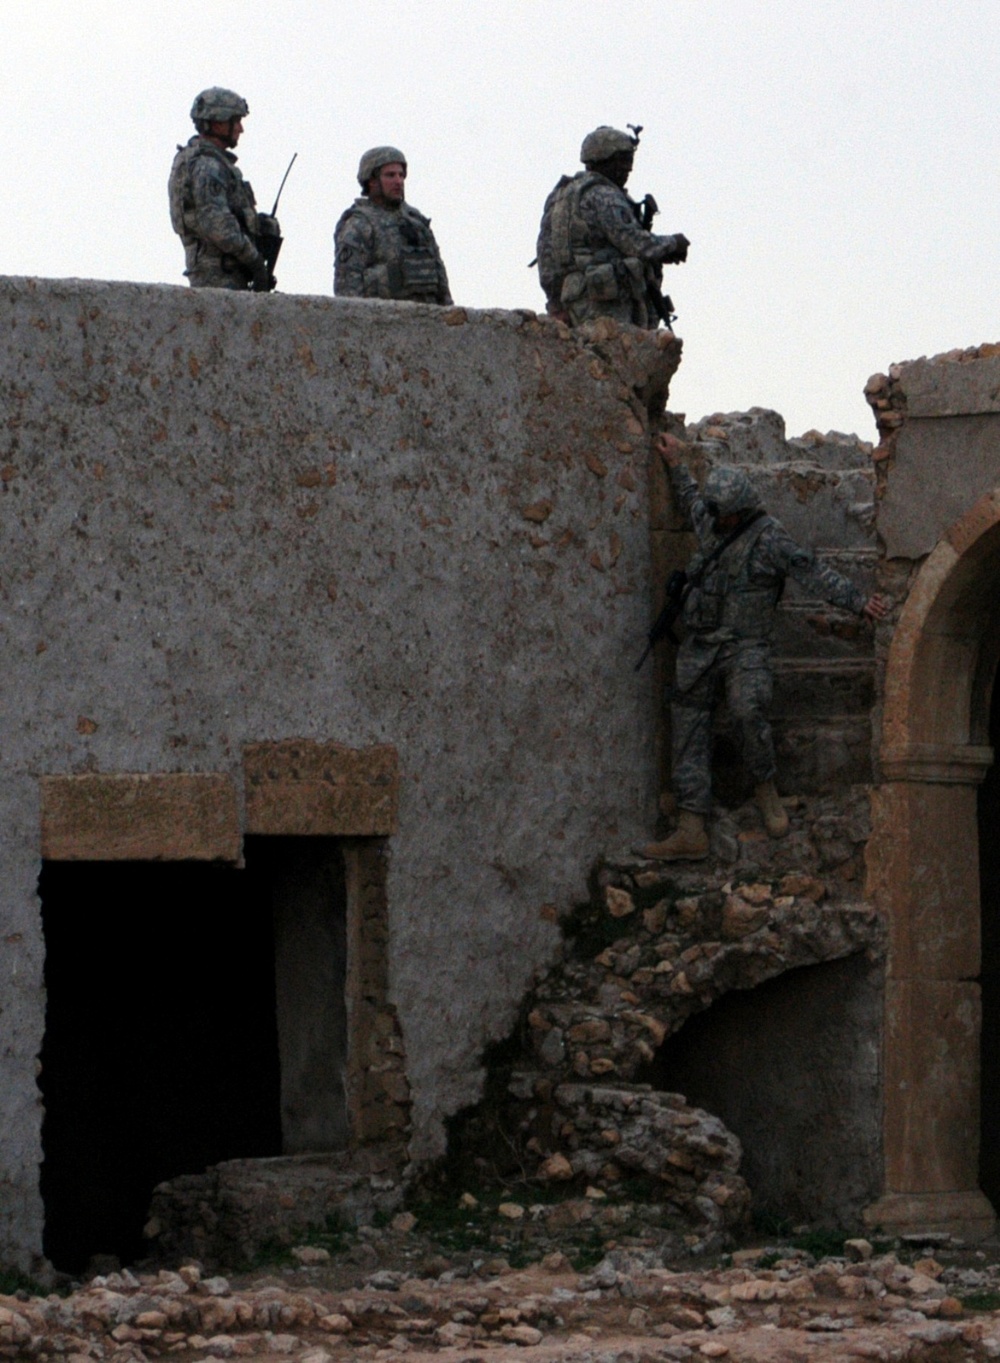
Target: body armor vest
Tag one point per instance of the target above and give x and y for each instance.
(406, 257)
(239, 195)
(727, 600)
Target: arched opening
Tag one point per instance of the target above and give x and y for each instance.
(792, 1068)
(923, 864)
(989, 978)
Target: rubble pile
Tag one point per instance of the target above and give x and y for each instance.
(690, 1156)
(228, 1213)
(607, 1015)
(765, 1303)
(653, 946)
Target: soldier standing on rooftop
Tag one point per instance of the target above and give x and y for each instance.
(212, 207)
(384, 248)
(735, 583)
(595, 256)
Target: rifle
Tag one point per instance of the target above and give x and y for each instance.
(268, 238)
(645, 211)
(679, 586)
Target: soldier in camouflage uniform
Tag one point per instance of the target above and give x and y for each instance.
(383, 247)
(728, 617)
(594, 257)
(212, 207)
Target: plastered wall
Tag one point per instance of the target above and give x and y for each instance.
(234, 519)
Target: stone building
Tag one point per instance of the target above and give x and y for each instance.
(319, 625)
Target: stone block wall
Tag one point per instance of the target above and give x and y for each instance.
(241, 520)
(931, 859)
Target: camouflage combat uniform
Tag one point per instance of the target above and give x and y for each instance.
(388, 253)
(729, 622)
(213, 211)
(594, 258)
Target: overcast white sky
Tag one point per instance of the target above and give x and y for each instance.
(832, 161)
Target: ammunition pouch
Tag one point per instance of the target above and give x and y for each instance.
(574, 286)
(703, 610)
(420, 275)
(376, 281)
(602, 283)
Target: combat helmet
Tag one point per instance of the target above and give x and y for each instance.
(373, 161)
(730, 491)
(217, 105)
(605, 142)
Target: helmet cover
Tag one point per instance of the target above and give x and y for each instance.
(603, 143)
(374, 159)
(730, 490)
(217, 105)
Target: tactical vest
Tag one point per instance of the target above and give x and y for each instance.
(571, 263)
(727, 601)
(562, 211)
(406, 263)
(239, 194)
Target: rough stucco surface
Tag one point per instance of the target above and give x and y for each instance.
(233, 519)
(956, 458)
(937, 387)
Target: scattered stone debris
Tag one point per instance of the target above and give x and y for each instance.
(653, 946)
(772, 1302)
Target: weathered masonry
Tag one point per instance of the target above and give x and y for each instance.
(318, 619)
(934, 864)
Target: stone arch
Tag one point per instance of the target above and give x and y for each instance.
(923, 864)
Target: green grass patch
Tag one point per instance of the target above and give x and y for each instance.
(269, 1254)
(981, 1301)
(456, 1229)
(12, 1280)
(821, 1244)
(587, 1253)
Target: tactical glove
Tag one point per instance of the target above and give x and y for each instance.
(260, 276)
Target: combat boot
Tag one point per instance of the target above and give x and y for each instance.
(769, 804)
(688, 841)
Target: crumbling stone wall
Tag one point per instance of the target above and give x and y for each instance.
(938, 469)
(655, 947)
(232, 520)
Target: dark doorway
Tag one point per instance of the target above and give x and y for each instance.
(989, 898)
(161, 1049)
(792, 1069)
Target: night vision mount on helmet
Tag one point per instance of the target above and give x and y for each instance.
(605, 142)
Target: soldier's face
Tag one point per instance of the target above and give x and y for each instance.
(227, 134)
(618, 168)
(389, 186)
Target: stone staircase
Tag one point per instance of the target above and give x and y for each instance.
(821, 487)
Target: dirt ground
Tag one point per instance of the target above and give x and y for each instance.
(406, 1291)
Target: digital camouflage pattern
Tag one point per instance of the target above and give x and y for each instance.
(218, 105)
(729, 621)
(594, 259)
(388, 253)
(731, 491)
(213, 211)
(605, 142)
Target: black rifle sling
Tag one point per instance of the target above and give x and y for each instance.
(664, 621)
(720, 549)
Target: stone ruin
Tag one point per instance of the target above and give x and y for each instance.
(324, 753)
